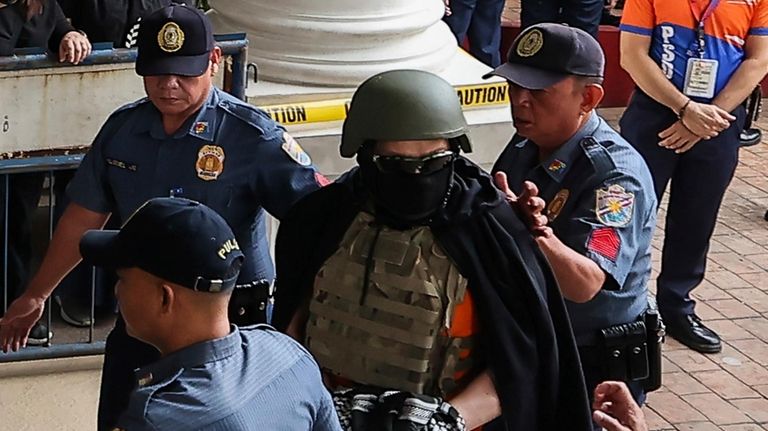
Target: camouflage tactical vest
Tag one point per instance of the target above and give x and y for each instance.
(397, 333)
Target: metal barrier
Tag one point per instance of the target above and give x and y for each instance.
(233, 46)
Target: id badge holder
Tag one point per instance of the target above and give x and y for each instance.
(700, 77)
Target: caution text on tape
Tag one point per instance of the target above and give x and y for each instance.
(470, 96)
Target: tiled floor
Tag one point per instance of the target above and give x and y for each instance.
(727, 391)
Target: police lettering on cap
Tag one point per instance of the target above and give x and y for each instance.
(178, 240)
(174, 40)
(545, 54)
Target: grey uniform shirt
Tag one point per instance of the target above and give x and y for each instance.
(601, 203)
(252, 379)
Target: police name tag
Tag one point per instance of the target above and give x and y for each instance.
(700, 76)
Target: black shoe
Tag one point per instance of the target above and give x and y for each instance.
(689, 330)
(73, 312)
(39, 335)
(749, 137)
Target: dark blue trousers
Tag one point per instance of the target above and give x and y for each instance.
(480, 21)
(698, 179)
(583, 14)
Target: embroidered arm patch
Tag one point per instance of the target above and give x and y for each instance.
(606, 242)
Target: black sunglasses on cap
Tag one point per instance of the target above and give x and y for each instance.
(414, 165)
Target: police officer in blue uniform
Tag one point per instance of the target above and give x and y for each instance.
(178, 263)
(480, 22)
(600, 212)
(187, 139)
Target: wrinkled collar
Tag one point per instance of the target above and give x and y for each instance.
(202, 125)
(191, 356)
(558, 164)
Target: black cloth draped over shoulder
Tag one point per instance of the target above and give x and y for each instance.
(526, 331)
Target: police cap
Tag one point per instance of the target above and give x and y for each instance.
(545, 54)
(174, 40)
(176, 239)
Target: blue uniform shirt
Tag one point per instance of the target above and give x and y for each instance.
(252, 379)
(231, 156)
(601, 203)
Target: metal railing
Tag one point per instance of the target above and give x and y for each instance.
(233, 46)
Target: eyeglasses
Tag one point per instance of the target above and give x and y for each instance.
(414, 165)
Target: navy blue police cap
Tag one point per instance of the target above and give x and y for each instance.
(544, 54)
(174, 40)
(175, 239)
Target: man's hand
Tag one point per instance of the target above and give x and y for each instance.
(529, 205)
(678, 138)
(18, 321)
(447, 7)
(616, 410)
(705, 120)
(74, 47)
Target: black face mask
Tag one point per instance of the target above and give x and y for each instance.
(407, 199)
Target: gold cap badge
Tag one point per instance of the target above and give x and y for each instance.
(530, 43)
(170, 38)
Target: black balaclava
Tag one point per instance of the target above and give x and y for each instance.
(402, 199)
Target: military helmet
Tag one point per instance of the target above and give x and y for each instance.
(404, 105)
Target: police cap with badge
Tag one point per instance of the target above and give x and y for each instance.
(545, 54)
(174, 40)
(178, 240)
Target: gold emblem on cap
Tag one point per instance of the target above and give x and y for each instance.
(530, 43)
(170, 38)
(210, 162)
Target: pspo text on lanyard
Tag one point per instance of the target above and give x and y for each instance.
(701, 73)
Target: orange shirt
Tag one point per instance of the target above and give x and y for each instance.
(671, 25)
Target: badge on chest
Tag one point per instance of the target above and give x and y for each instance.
(210, 162)
(700, 77)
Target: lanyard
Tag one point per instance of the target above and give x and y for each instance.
(700, 19)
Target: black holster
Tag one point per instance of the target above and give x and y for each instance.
(632, 351)
(753, 105)
(249, 303)
(655, 330)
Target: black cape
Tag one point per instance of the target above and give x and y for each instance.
(526, 333)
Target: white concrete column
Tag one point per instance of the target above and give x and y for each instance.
(338, 43)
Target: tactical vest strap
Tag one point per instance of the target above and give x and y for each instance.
(347, 292)
(394, 332)
(354, 347)
(375, 328)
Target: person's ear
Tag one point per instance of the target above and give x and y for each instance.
(591, 97)
(215, 58)
(168, 298)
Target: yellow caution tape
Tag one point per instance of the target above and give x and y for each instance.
(470, 96)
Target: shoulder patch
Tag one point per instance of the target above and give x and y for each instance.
(294, 150)
(606, 242)
(614, 206)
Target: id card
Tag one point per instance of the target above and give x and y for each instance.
(700, 76)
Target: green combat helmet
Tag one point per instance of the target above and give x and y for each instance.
(404, 105)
